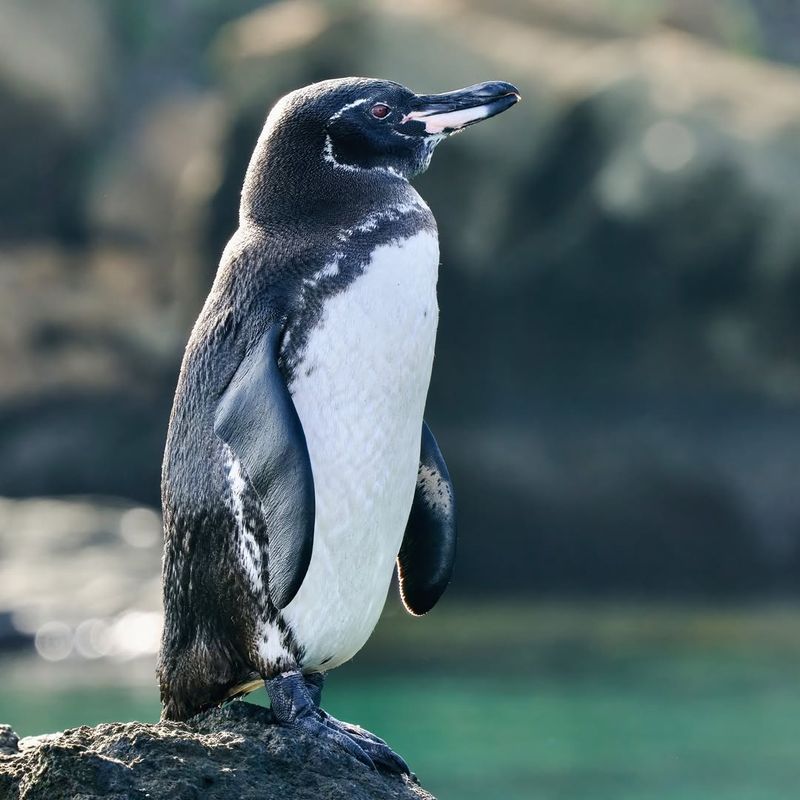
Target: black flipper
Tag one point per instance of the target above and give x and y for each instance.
(257, 419)
(425, 561)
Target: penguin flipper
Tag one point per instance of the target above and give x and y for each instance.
(257, 419)
(425, 561)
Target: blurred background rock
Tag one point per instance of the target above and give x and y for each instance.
(617, 380)
(617, 385)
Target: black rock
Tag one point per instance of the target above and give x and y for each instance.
(232, 752)
(9, 741)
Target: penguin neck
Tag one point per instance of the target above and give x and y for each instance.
(286, 185)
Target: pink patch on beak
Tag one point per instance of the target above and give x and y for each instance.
(449, 120)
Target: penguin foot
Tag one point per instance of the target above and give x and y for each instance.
(295, 702)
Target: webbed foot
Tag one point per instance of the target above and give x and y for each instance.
(295, 700)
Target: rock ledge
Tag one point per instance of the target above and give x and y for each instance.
(232, 752)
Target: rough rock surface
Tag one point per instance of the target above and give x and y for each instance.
(233, 752)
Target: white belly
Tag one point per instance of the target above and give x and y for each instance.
(360, 393)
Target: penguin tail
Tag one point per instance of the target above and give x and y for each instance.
(198, 677)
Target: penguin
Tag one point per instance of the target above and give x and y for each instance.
(298, 468)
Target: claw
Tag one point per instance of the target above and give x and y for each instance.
(350, 728)
(318, 728)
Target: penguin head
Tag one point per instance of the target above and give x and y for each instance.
(354, 137)
(383, 126)
(362, 124)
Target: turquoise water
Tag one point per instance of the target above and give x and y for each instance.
(578, 705)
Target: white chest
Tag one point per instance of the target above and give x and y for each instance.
(360, 392)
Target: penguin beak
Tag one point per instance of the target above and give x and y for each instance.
(451, 111)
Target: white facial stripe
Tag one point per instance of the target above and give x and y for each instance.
(327, 154)
(349, 106)
(451, 120)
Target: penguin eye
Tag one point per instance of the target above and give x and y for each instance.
(380, 111)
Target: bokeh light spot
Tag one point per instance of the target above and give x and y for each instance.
(668, 145)
(136, 633)
(140, 527)
(54, 641)
(93, 638)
